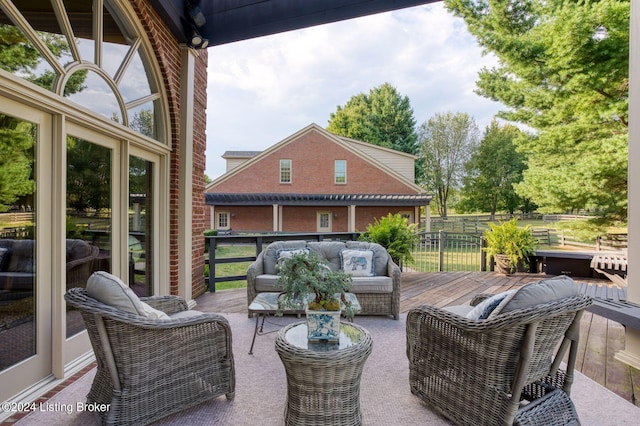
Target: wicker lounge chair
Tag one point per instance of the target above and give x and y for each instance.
(151, 368)
(502, 370)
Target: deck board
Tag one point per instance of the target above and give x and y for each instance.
(600, 337)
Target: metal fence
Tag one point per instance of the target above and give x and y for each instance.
(444, 251)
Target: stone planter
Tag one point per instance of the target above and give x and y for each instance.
(323, 325)
(503, 264)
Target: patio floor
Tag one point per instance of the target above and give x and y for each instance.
(600, 339)
(597, 406)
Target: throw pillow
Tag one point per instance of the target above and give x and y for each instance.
(358, 263)
(110, 290)
(4, 256)
(284, 254)
(483, 309)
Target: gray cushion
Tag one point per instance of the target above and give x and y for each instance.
(328, 251)
(380, 255)
(378, 284)
(270, 256)
(461, 310)
(267, 282)
(185, 314)
(535, 293)
(111, 291)
(5, 253)
(21, 260)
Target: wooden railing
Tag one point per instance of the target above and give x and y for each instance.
(258, 241)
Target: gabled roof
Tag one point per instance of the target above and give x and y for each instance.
(240, 154)
(346, 143)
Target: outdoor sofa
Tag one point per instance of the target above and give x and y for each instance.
(375, 277)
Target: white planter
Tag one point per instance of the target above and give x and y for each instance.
(323, 325)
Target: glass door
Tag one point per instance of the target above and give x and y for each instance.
(25, 246)
(91, 220)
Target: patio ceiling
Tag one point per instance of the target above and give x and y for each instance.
(233, 20)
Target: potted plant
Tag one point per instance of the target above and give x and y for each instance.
(509, 245)
(307, 280)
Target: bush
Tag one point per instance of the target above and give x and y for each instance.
(394, 233)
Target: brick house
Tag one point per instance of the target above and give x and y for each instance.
(314, 181)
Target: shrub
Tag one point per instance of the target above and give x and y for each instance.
(394, 233)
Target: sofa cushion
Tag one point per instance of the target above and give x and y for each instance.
(185, 314)
(22, 253)
(267, 282)
(358, 263)
(77, 249)
(536, 293)
(380, 255)
(377, 284)
(270, 256)
(5, 253)
(110, 290)
(328, 251)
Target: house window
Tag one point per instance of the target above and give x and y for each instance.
(324, 222)
(285, 171)
(340, 171)
(223, 220)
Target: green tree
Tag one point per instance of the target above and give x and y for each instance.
(447, 141)
(20, 57)
(16, 154)
(383, 117)
(563, 71)
(492, 171)
(143, 122)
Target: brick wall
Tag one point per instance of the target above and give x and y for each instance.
(313, 156)
(168, 55)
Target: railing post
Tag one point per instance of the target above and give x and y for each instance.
(442, 236)
(212, 265)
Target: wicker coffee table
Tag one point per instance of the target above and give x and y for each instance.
(266, 304)
(323, 379)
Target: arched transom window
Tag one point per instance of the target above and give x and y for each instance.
(85, 51)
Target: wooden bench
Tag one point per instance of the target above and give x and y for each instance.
(612, 265)
(611, 302)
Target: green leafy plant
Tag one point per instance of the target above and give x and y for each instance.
(305, 273)
(509, 240)
(394, 233)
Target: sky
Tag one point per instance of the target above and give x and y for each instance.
(263, 90)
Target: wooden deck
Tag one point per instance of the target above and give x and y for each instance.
(600, 338)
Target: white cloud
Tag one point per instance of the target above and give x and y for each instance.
(263, 90)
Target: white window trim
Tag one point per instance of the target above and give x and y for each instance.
(290, 171)
(335, 172)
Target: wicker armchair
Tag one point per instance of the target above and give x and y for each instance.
(149, 369)
(502, 370)
(79, 269)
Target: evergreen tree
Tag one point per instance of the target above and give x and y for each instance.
(563, 71)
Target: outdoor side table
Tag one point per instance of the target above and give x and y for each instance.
(323, 379)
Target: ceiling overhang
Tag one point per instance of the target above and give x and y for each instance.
(227, 21)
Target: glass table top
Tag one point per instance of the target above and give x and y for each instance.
(349, 336)
(269, 302)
